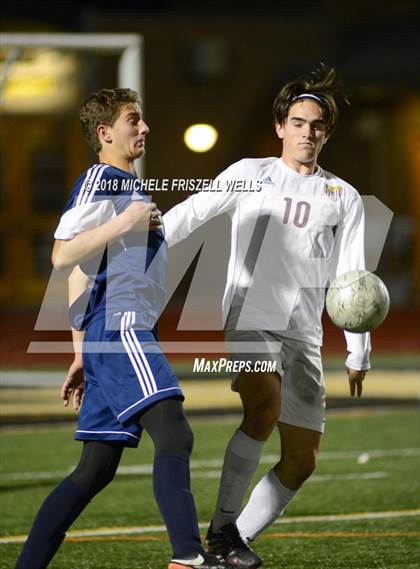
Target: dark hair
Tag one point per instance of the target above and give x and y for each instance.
(103, 107)
(322, 83)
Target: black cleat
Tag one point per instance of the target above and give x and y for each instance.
(200, 561)
(228, 543)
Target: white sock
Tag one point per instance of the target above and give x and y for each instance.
(266, 503)
(241, 461)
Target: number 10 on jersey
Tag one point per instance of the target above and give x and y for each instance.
(300, 212)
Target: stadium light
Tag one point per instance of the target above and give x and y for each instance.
(200, 137)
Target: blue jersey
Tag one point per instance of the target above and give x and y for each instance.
(130, 274)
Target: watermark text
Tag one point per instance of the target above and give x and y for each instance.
(224, 365)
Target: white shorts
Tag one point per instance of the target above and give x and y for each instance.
(299, 367)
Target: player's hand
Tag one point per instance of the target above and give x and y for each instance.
(74, 384)
(356, 378)
(142, 216)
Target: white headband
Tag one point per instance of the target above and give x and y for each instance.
(306, 96)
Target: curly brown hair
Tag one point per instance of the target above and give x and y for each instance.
(323, 84)
(103, 107)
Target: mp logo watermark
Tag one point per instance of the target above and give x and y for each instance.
(209, 303)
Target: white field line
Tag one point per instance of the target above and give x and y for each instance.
(216, 463)
(313, 478)
(138, 530)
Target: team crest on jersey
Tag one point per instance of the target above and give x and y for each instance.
(333, 192)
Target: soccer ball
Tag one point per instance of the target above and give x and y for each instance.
(357, 301)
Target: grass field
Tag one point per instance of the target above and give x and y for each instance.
(360, 510)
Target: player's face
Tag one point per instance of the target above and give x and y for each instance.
(127, 136)
(303, 133)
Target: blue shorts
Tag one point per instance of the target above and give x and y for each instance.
(125, 372)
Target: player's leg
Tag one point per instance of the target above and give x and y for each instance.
(96, 469)
(149, 397)
(173, 441)
(172, 437)
(260, 395)
(272, 494)
(301, 424)
(299, 455)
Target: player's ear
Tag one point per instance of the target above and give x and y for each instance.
(279, 130)
(104, 133)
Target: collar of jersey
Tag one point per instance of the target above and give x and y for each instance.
(316, 174)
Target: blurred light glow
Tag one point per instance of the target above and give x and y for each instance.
(200, 137)
(40, 80)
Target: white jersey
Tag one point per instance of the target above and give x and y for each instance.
(290, 237)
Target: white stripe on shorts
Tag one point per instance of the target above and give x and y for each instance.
(142, 354)
(139, 355)
(131, 349)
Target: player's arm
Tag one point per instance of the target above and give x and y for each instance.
(349, 255)
(139, 216)
(73, 386)
(190, 214)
